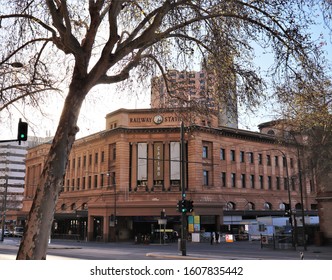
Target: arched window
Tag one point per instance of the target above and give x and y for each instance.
(63, 207)
(250, 206)
(230, 205)
(267, 206)
(282, 206)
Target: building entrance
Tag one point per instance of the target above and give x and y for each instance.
(98, 228)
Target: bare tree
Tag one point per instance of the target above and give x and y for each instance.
(307, 106)
(104, 41)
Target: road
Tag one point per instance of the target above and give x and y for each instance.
(244, 250)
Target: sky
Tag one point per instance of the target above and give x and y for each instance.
(103, 100)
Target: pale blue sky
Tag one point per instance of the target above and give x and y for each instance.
(101, 102)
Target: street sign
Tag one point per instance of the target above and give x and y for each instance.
(162, 221)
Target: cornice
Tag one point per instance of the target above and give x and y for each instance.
(220, 131)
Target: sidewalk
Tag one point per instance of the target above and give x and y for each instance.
(242, 250)
(312, 253)
(8, 243)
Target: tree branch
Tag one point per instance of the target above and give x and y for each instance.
(26, 94)
(124, 74)
(68, 43)
(37, 20)
(22, 47)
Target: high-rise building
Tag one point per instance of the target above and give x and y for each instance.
(199, 91)
(12, 174)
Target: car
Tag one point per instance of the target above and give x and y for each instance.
(18, 231)
(6, 232)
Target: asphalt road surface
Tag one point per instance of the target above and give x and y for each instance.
(244, 250)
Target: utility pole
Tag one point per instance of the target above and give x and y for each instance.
(183, 193)
(302, 206)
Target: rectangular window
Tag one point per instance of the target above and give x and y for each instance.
(96, 158)
(284, 161)
(233, 180)
(278, 183)
(90, 159)
(96, 181)
(222, 154)
(243, 180)
(205, 152)
(113, 181)
(175, 161)
(89, 182)
(251, 157)
(276, 161)
(268, 160)
(260, 159)
(205, 178)
(101, 180)
(252, 181)
(269, 182)
(223, 179)
(242, 156)
(78, 183)
(83, 185)
(261, 182)
(232, 155)
(84, 161)
(142, 162)
(102, 156)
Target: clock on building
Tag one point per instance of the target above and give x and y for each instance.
(158, 119)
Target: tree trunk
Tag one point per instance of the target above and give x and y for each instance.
(37, 231)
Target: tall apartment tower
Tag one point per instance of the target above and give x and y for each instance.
(198, 89)
(12, 173)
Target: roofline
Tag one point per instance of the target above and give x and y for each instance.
(223, 131)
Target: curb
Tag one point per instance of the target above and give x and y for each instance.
(188, 257)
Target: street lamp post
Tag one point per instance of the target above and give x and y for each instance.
(302, 206)
(4, 208)
(289, 197)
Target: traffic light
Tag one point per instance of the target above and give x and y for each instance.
(22, 132)
(184, 206)
(190, 206)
